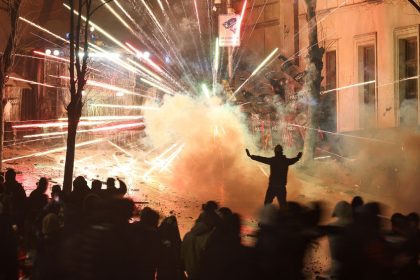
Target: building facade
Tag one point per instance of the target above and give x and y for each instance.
(371, 60)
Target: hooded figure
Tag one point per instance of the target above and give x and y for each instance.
(279, 167)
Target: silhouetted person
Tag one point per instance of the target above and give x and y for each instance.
(97, 187)
(146, 241)
(112, 190)
(104, 249)
(279, 166)
(9, 266)
(36, 202)
(73, 216)
(224, 257)
(80, 190)
(356, 202)
(405, 244)
(18, 200)
(282, 241)
(38, 199)
(46, 265)
(170, 265)
(338, 240)
(195, 241)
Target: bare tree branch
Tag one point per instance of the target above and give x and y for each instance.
(415, 4)
(99, 6)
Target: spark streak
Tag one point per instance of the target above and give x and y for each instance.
(163, 164)
(109, 87)
(124, 11)
(117, 16)
(259, 67)
(54, 124)
(238, 34)
(43, 29)
(198, 17)
(169, 160)
(216, 64)
(150, 83)
(349, 86)
(106, 34)
(205, 90)
(32, 82)
(54, 150)
(342, 134)
(142, 68)
(99, 129)
(144, 57)
(121, 149)
(125, 106)
(107, 118)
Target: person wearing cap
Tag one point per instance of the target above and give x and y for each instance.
(279, 166)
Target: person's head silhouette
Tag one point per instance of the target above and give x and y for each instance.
(10, 175)
(278, 150)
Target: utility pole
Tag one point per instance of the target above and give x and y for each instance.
(230, 10)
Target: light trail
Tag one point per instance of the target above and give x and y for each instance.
(349, 86)
(198, 17)
(171, 158)
(324, 157)
(238, 34)
(43, 29)
(342, 134)
(263, 171)
(54, 150)
(152, 15)
(142, 55)
(216, 64)
(367, 83)
(259, 67)
(107, 118)
(124, 11)
(337, 155)
(165, 152)
(216, 55)
(106, 34)
(60, 59)
(162, 164)
(52, 56)
(265, 61)
(33, 82)
(54, 124)
(142, 68)
(161, 6)
(109, 87)
(99, 129)
(29, 141)
(138, 107)
(119, 148)
(150, 83)
(205, 90)
(108, 6)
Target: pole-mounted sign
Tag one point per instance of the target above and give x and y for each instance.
(229, 30)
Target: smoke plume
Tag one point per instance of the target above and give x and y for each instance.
(213, 163)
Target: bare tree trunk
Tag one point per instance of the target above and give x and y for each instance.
(313, 81)
(12, 7)
(78, 79)
(1, 124)
(70, 154)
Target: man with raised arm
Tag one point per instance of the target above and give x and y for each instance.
(279, 166)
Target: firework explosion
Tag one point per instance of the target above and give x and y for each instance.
(179, 128)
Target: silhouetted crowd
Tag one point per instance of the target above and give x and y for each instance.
(94, 233)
